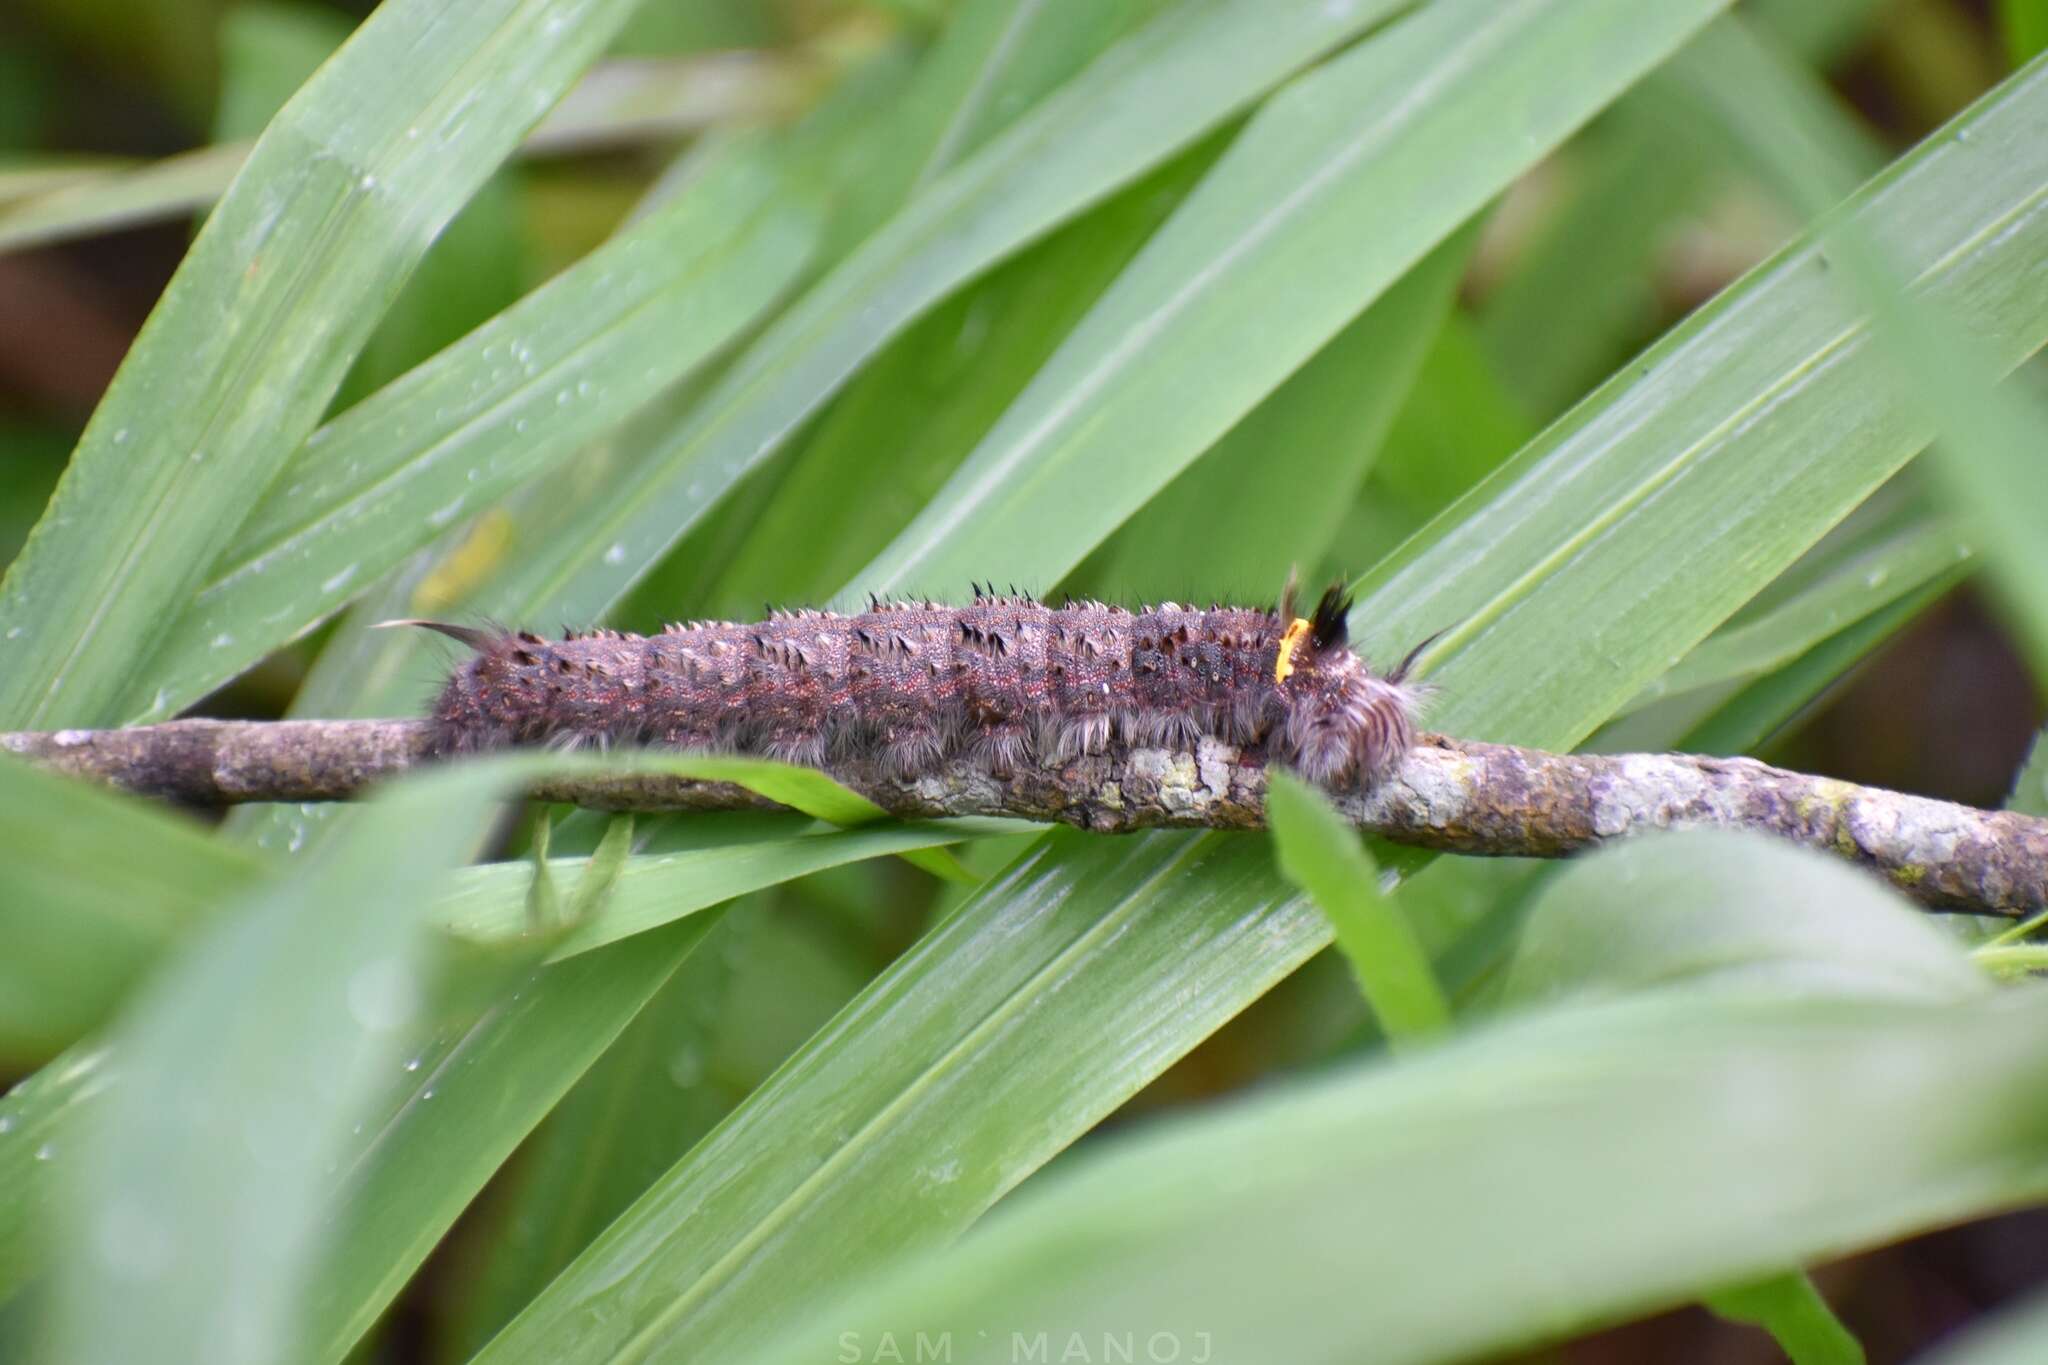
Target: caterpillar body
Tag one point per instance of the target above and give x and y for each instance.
(1003, 681)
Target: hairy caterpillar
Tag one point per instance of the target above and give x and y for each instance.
(1005, 680)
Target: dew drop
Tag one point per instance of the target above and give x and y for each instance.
(616, 554)
(6, 1124)
(221, 641)
(413, 1065)
(340, 580)
(45, 1152)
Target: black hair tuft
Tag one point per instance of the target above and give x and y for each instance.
(1330, 627)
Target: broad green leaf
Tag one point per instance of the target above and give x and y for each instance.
(345, 190)
(1791, 1309)
(1730, 911)
(202, 1175)
(521, 393)
(1320, 853)
(1338, 185)
(1377, 1213)
(97, 886)
(1270, 495)
(1151, 95)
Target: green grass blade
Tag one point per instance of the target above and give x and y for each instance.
(1924, 551)
(742, 1003)
(107, 200)
(39, 1120)
(1270, 496)
(927, 400)
(1949, 375)
(1320, 853)
(202, 1178)
(1153, 94)
(1457, 426)
(1376, 1213)
(2024, 26)
(266, 53)
(520, 394)
(689, 1269)
(683, 1272)
(616, 102)
(1334, 190)
(1792, 1310)
(1766, 413)
(488, 902)
(1742, 717)
(457, 1107)
(343, 194)
(1578, 299)
(993, 61)
(98, 886)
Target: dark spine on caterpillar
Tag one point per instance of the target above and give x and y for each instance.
(1004, 680)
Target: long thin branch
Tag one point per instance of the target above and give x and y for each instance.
(1449, 794)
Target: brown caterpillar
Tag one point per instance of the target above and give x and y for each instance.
(1004, 680)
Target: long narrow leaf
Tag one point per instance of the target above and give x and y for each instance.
(1338, 186)
(345, 190)
(1378, 1214)
(1154, 93)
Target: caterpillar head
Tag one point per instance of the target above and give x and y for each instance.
(1341, 721)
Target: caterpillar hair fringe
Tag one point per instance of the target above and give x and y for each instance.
(1004, 680)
